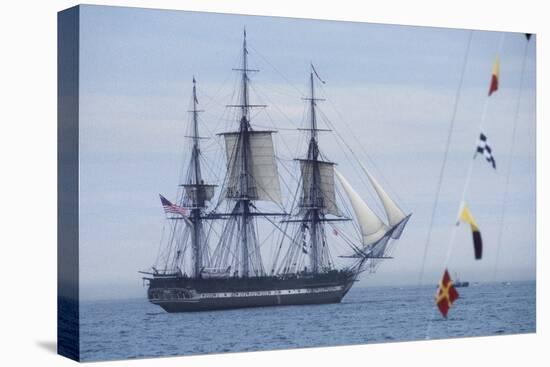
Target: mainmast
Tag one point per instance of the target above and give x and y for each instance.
(246, 182)
(252, 176)
(244, 201)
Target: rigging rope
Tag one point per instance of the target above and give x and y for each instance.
(510, 160)
(470, 168)
(451, 244)
(276, 70)
(445, 157)
(370, 190)
(362, 149)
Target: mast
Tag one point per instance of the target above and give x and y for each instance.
(244, 125)
(315, 200)
(196, 149)
(196, 211)
(313, 155)
(318, 193)
(251, 176)
(196, 193)
(244, 191)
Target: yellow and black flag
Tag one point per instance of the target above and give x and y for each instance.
(466, 216)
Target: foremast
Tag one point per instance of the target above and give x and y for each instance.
(318, 195)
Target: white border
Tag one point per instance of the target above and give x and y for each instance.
(28, 135)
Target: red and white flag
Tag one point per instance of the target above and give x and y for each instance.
(170, 208)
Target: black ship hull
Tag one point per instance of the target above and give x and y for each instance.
(183, 294)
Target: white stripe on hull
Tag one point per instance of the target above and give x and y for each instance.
(277, 292)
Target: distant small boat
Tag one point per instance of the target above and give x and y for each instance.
(459, 284)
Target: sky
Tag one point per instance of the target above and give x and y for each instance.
(390, 93)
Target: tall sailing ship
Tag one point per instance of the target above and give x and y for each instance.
(213, 257)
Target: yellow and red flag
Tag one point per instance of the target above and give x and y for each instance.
(495, 77)
(446, 294)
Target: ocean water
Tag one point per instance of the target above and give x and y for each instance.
(136, 329)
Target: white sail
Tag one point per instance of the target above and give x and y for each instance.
(372, 227)
(326, 174)
(262, 168)
(393, 212)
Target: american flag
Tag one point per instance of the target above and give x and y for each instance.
(172, 208)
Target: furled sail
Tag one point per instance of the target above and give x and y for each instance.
(263, 176)
(393, 212)
(327, 201)
(372, 227)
